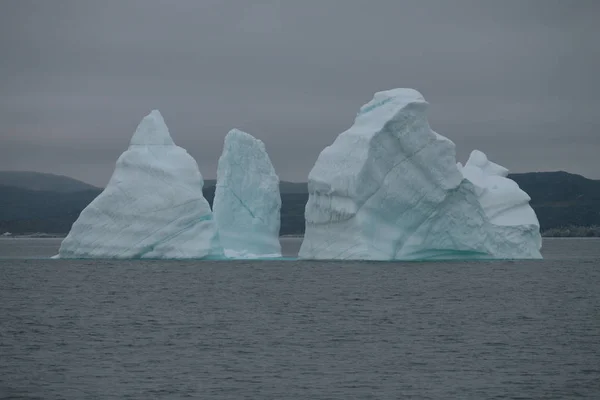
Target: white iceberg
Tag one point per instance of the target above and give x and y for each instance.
(247, 202)
(389, 188)
(501, 198)
(152, 207)
(506, 206)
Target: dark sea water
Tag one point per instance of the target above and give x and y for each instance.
(299, 330)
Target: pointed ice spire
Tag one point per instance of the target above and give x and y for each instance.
(152, 131)
(152, 207)
(247, 202)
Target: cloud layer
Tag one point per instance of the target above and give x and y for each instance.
(516, 79)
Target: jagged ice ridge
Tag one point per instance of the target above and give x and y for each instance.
(389, 188)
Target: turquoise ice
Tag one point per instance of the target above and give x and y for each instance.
(247, 201)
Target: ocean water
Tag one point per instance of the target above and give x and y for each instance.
(299, 330)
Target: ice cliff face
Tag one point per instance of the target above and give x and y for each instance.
(389, 188)
(247, 201)
(152, 207)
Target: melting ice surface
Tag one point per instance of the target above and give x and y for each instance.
(152, 207)
(247, 201)
(389, 188)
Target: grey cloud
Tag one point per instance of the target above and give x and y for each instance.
(513, 78)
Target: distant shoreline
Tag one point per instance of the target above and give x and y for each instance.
(34, 236)
(573, 231)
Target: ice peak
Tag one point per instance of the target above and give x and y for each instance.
(479, 159)
(406, 94)
(394, 99)
(152, 131)
(236, 137)
(152, 207)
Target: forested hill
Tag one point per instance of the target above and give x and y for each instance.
(561, 199)
(39, 181)
(34, 202)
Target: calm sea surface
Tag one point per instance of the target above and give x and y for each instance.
(299, 330)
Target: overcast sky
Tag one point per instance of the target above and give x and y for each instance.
(514, 78)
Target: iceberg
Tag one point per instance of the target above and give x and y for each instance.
(389, 188)
(152, 207)
(501, 198)
(506, 206)
(247, 201)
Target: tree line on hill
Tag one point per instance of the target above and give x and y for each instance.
(566, 204)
